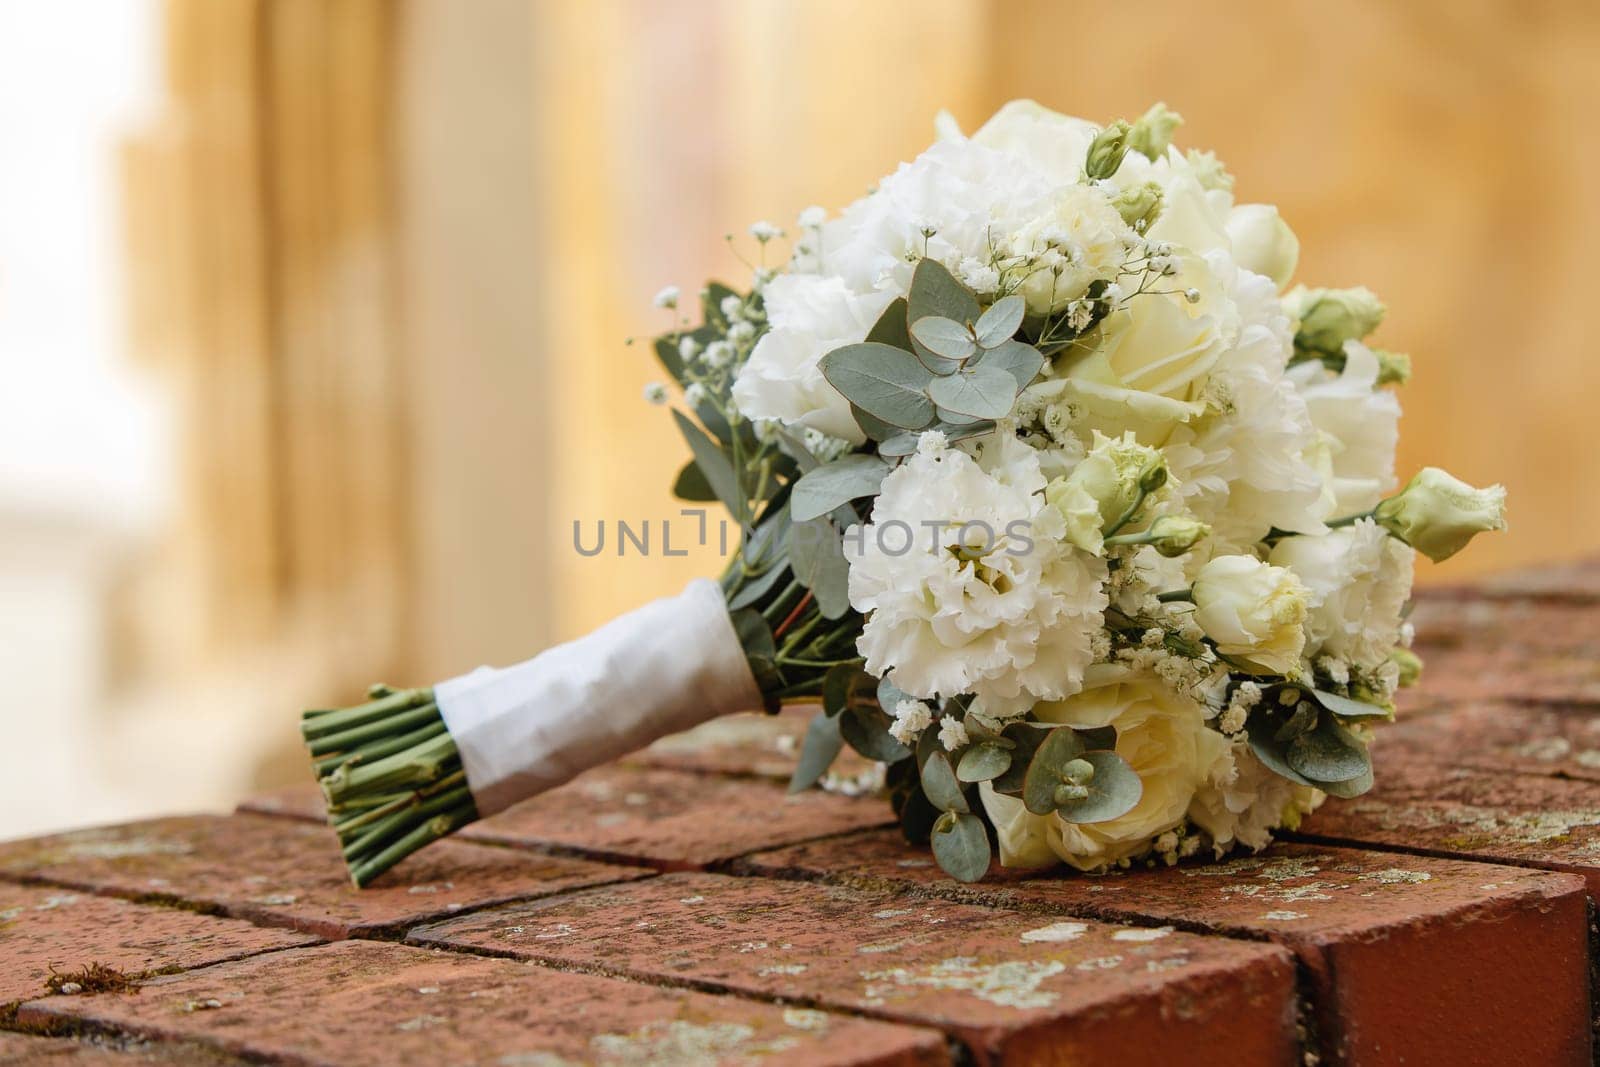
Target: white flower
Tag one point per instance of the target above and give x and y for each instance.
(667, 297)
(810, 316)
(911, 717)
(1359, 424)
(1358, 579)
(812, 217)
(1104, 487)
(1255, 612)
(1091, 241)
(1437, 513)
(1263, 243)
(967, 584)
(655, 393)
(688, 348)
(1247, 802)
(952, 734)
(1163, 737)
(765, 231)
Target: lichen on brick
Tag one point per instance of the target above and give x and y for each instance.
(1011, 984)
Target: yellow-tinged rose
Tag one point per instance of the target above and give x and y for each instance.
(1163, 737)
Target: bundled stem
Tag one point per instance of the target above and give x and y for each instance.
(391, 775)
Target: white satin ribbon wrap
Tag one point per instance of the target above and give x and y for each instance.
(668, 666)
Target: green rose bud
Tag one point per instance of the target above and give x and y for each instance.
(1437, 514)
(1139, 205)
(1394, 368)
(1106, 151)
(1105, 486)
(1173, 535)
(1330, 317)
(1152, 133)
(1410, 665)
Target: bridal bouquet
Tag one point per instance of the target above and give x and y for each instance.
(1053, 497)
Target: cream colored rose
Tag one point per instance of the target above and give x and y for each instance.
(1263, 242)
(1166, 741)
(1255, 612)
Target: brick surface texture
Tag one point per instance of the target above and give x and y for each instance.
(679, 908)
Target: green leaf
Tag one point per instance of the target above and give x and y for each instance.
(821, 747)
(751, 592)
(1262, 731)
(691, 484)
(1113, 791)
(891, 327)
(866, 729)
(999, 324)
(980, 392)
(1351, 789)
(946, 338)
(935, 291)
(760, 651)
(1346, 708)
(1098, 737)
(825, 488)
(1303, 719)
(983, 762)
(1330, 753)
(961, 846)
(887, 383)
(875, 429)
(796, 450)
(714, 465)
(844, 686)
(889, 697)
(903, 444)
(1022, 362)
(1045, 771)
(816, 556)
(1026, 739)
(940, 783)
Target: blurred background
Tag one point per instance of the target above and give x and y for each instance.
(313, 312)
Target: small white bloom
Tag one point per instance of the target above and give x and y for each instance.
(667, 297)
(688, 348)
(952, 734)
(719, 354)
(694, 394)
(813, 217)
(764, 231)
(741, 332)
(655, 393)
(911, 717)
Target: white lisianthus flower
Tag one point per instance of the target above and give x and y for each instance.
(1263, 243)
(1359, 422)
(1437, 513)
(1162, 735)
(967, 584)
(1248, 802)
(1358, 579)
(1255, 612)
(810, 316)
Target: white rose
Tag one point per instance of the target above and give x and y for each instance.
(1263, 242)
(1164, 738)
(1358, 579)
(810, 316)
(1253, 611)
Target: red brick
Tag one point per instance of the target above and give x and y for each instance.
(42, 928)
(762, 745)
(1520, 651)
(674, 820)
(1380, 937)
(1579, 581)
(1558, 740)
(359, 1003)
(289, 873)
(302, 801)
(1013, 987)
(17, 1050)
(1422, 806)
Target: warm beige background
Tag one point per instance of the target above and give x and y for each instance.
(384, 257)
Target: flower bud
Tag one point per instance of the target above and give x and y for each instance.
(1105, 485)
(1394, 368)
(1173, 535)
(1139, 205)
(1106, 151)
(1437, 513)
(1409, 665)
(1152, 132)
(1330, 317)
(1262, 242)
(1255, 612)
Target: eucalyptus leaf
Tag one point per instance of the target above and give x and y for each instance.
(940, 783)
(903, 444)
(866, 729)
(1346, 708)
(981, 392)
(1113, 791)
(1301, 721)
(887, 383)
(1023, 362)
(961, 846)
(1044, 774)
(827, 487)
(875, 428)
(816, 556)
(1000, 322)
(820, 748)
(1026, 739)
(983, 762)
(889, 697)
(753, 591)
(1098, 737)
(935, 291)
(1351, 789)
(714, 465)
(945, 338)
(755, 636)
(797, 450)
(891, 327)
(691, 484)
(1271, 752)
(1330, 753)
(836, 686)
